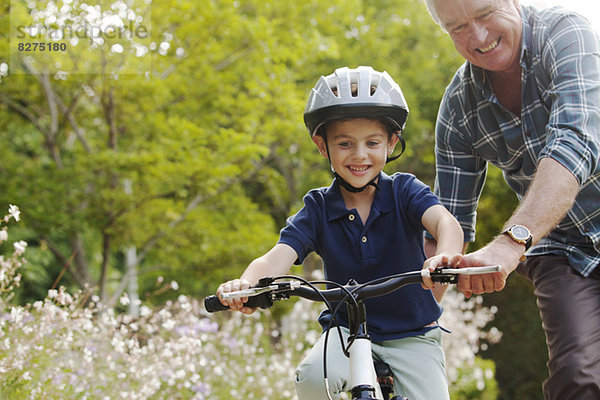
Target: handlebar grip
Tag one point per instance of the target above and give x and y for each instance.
(213, 304)
(263, 300)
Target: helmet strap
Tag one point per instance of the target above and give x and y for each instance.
(351, 188)
(402, 143)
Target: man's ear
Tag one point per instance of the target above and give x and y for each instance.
(321, 145)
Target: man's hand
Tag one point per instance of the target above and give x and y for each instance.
(502, 251)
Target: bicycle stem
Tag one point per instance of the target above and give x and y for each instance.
(361, 378)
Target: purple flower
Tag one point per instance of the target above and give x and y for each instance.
(206, 325)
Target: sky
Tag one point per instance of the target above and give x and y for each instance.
(589, 8)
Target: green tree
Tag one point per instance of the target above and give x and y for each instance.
(197, 163)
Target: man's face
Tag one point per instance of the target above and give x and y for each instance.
(486, 33)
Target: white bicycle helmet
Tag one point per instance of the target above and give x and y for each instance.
(376, 95)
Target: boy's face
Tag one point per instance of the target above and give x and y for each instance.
(358, 149)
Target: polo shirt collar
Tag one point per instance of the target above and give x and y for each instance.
(383, 201)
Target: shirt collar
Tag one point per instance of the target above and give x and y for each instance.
(383, 202)
(527, 37)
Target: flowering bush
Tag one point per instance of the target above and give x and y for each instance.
(466, 319)
(71, 346)
(9, 277)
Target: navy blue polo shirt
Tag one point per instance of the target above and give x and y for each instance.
(390, 242)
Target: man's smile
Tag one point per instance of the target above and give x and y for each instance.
(489, 48)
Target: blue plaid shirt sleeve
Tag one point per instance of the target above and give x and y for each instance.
(570, 57)
(460, 171)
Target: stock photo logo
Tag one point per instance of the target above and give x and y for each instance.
(72, 37)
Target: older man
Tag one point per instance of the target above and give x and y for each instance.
(528, 101)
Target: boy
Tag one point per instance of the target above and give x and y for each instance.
(364, 226)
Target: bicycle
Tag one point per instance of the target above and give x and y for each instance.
(270, 289)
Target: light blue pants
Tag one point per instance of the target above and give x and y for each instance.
(417, 363)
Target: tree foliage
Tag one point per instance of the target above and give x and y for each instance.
(198, 161)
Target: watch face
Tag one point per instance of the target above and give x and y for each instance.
(520, 232)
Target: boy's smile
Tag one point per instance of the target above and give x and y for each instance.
(358, 149)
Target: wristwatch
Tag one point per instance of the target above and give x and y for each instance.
(520, 234)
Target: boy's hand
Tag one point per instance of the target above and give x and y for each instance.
(437, 261)
(235, 304)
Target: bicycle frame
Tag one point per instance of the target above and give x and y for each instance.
(362, 380)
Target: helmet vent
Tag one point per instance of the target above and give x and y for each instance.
(332, 85)
(354, 78)
(375, 79)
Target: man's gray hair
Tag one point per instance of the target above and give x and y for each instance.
(432, 11)
(436, 17)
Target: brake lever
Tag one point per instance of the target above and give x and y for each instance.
(248, 292)
(450, 275)
(273, 288)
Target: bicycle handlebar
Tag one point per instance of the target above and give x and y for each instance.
(267, 290)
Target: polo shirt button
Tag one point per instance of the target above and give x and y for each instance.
(364, 239)
(351, 217)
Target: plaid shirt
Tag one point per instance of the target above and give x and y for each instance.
(560, 118)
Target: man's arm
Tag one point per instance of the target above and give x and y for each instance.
(550, 196)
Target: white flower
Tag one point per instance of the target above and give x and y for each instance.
(3, 235)
(124, 300)
(13, 211)
(20, 247)
(64, 298)
(169, 324)
(145, 311)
